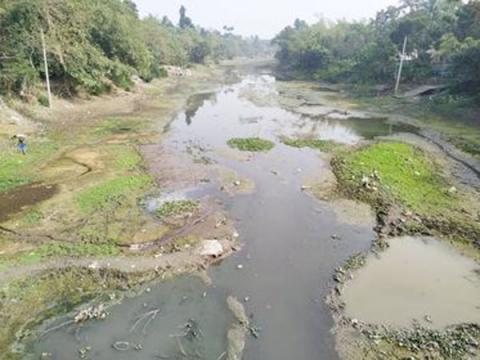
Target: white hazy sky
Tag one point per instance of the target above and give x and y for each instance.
(262, 17)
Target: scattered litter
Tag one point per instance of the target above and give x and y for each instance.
(239, 266)
(91, 313)
(211, 248)
(255, 331)
(452, 190)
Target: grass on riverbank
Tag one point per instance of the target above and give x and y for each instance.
(17, 169)
(58, 250)
(100, 196)
(396, 174)
(251, 144)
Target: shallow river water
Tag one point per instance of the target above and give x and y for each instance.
(292, 244)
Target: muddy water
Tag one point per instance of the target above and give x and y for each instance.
(416, 279)
(292, 243)
(16, 200)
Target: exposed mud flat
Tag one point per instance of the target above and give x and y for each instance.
(415, 279)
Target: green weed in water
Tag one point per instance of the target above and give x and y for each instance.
(318, 144)
(171, 208)
(251, 144)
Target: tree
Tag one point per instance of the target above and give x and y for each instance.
(185, 22)
(166, 22)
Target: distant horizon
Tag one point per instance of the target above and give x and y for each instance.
(266, 18)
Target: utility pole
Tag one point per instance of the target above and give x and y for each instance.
(402, 58)
(47, 77)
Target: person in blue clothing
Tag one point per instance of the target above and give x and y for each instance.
(22, 145)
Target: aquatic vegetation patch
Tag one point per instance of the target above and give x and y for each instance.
(100, 196)
(318, 144)
(251, 144)
(178, 207)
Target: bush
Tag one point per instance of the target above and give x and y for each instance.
(43, 100)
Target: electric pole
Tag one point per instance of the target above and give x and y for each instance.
(47, 77)
(402, 58)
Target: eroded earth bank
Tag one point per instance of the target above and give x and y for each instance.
(338, 229)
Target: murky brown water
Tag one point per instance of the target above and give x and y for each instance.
(17, 199)
(416, 279)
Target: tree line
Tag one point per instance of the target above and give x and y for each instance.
(93, 45)
(443, 43)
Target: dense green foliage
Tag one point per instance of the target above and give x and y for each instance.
(92, 45)
(443, 41)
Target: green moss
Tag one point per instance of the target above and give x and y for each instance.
(251, 144)
(318, 144)
(171, 208)
(17, 169)
(102, 195)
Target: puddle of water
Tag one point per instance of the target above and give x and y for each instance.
(413, 279)
(15, 200)
(185, 300)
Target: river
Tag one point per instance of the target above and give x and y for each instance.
(292, 242)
